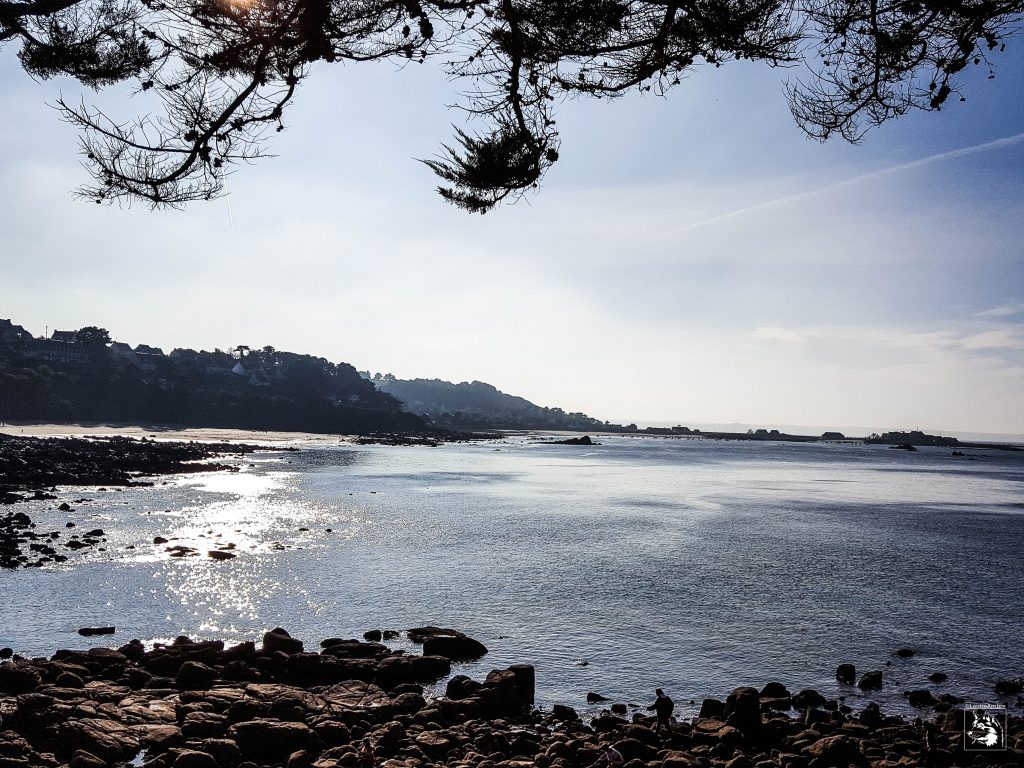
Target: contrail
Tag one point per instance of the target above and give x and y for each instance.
(1008, 141)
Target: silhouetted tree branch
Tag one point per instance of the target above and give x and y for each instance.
(220, 73)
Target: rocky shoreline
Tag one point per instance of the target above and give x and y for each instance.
(360, 704)
(31, 468)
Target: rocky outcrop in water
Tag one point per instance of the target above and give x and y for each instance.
(30, 466)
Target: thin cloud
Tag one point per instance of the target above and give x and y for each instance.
(1007, 311)
(1008, 141)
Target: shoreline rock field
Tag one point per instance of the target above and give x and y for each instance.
(360, 704)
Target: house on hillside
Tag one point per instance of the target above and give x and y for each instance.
(9, 332)
(64, 337)
(149, 356)
(122, 351)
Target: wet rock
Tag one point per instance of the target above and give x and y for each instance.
(1008, 687)
(846, 674)
(461, 687)
(594, 698)
(711, 708)
(774, 691)
(159, 540)
(921, 698)
(278, 639)
(743, 710)
(808, 698)
(457, 647)
(870, 681)
(220, 554)
(937, 677)
(91, 631)
(905, 653)
(562, 712)
(619, 709)
(374, 635)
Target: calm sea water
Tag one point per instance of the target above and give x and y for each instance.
(690, 565)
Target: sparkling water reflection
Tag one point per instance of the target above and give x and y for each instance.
(691, 565)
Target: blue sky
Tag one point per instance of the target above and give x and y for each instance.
(693, 259)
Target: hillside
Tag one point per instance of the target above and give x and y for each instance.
(477, 405)
(76, 376)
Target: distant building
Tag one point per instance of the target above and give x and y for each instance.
(833, 436)
(10, 332)
(148, 356)
(122, 351)
(64, 337)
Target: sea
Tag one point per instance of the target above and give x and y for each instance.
(692, 565)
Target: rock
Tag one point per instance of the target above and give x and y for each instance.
(905, 653)
(846, 674)
(808, 698)
(594, 698)
(269, 740)
(774, 691)
(456, 647)
(419, 634)
(619, 709)
(461, 687)
(195, 675)
(374, 635)
(83, 759)
(634, 749)
(1008, 687)
(90, 631)
(711, 708)
(220, 554)
(15, 678)
(159, 540)
(279, 640)
(435, 744)
(836, 751)
(870, 681)
(107, 739)
(743, 710)
(921, 698)
(190, 758)
(562, 712)
(937, 677)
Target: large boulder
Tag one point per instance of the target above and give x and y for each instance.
(743, 710)
(195, 675)
(457, 647)
(107, 739)
(278, 639)
(871, 681)
(846, 674)
(461, 687)
(837, 751)
(18, 678)
(270, 740)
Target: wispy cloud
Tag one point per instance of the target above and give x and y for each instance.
(1008, 141)
(1006, 311)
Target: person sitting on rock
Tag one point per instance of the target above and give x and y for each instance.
(663, 707)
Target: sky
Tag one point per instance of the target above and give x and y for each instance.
(694, 259)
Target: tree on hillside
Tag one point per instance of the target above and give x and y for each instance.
(92, 336)
(224, 71)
